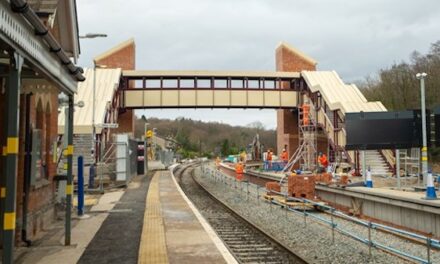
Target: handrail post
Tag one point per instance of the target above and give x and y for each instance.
(270, 200)
(333, 225)
(258, 194)
(370, 244)
(428, 248)
(80, 186)
(304, 212)
(247, 190)
(285, 201)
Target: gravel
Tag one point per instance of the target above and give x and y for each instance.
(311, 240)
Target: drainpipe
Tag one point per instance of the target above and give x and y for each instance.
(27, 171)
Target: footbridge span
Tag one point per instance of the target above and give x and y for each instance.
(209, 89)
(330, 97)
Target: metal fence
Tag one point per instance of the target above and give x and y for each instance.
(165, 156)
(252, 189)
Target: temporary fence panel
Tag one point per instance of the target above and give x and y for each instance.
(122, 154)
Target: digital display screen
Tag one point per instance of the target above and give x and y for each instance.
(384, 130)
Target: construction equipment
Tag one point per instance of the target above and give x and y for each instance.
(306, 153)
(256, 148)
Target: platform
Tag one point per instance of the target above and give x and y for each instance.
(174, 231)
(403, 209)
(269, 175)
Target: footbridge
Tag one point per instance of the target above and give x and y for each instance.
(330, 96)
(209, 89)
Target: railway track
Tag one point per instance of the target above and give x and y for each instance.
(246, 242)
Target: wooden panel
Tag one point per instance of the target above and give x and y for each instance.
(152, 98)
(215, 98)
(221, 98)
(289, 99)
(133, 98)
(255, 98)
(170, 98)
(272, 98)
(238, 98)
(205, 97)
(187, 98)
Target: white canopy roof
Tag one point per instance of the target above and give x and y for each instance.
(337, 94)
(107, 81)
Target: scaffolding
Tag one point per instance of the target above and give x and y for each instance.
(306, 152)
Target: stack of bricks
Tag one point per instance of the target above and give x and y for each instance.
(344, 180)
(301, 186)
(271, 187)
(324, 178)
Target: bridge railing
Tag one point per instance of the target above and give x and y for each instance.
(251, 188)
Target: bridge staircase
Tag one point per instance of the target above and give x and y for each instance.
(334, 100)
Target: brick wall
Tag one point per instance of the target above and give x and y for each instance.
(289, 60)
(123, 57)
(42, 194)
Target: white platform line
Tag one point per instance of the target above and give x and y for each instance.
(211, 233)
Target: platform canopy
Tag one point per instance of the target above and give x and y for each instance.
(107, 82)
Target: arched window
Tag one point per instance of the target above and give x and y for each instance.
(39, 134)
(48, 137)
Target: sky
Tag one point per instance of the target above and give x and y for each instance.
(354, 38)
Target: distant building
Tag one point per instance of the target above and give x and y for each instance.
(110, 65)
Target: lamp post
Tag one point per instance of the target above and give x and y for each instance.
(421, 77)
(92, 36)
(67, 102)
(427, 177)
(94, 142)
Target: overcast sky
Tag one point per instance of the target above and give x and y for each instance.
(355, 38)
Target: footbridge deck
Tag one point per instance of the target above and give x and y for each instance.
(210, 89)
(331, 97)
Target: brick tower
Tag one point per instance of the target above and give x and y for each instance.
(289, 59)
(121, 56)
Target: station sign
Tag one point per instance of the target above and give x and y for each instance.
(108, 125)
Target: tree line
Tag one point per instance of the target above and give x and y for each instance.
(397, 86)
(208, 138)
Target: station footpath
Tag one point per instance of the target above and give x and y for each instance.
(152, 221)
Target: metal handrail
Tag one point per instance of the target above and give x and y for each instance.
(369, 224)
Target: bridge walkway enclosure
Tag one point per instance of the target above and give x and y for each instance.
(209, 89)
(331, 97)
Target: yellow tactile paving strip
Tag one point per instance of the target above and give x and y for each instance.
(153, 248)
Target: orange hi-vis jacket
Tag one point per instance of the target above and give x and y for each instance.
(239, 168)
(269, 155)
(306, 111)
(323, 160)
(284, 156)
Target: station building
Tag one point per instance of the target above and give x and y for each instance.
(39, 46)
(107, 71)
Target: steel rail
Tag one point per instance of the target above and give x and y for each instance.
(240, 218)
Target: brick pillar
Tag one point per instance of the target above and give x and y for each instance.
(289, 59)
(122, 56)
